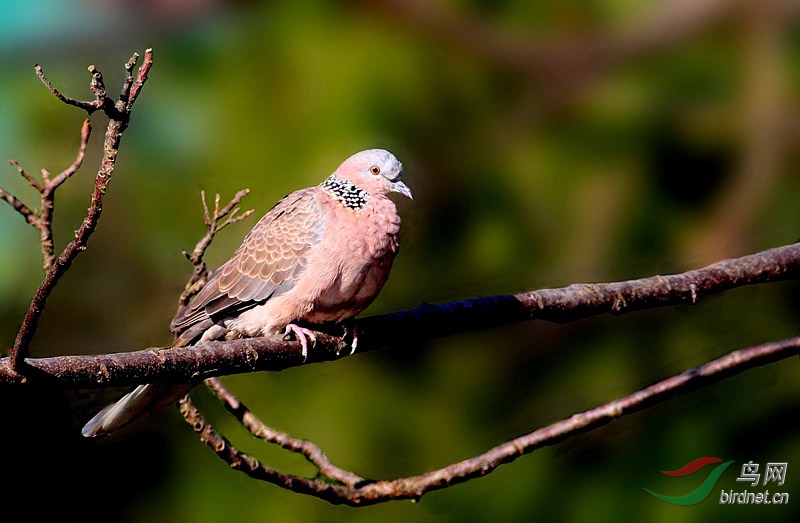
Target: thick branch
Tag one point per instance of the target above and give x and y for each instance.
(193, 364)
(364, 493)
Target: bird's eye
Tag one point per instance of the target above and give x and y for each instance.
(375, 169)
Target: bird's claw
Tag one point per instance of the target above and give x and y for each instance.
(302, 335)
(351, 327)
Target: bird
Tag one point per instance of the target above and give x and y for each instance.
(321, 254)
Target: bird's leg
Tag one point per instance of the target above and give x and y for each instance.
(302, 334)
(350, 326)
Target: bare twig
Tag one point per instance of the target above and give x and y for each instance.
(31, 180)
(118, 121)
(19, 206)
(42, 219)
(48, 197)
(89, 107)
(240, 461)
(311, 451)
(212, 222)
(217, 358)
(129, 96)
(213, 226)
(357, 492)
(86, 131)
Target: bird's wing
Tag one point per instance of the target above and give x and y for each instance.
(267, 264)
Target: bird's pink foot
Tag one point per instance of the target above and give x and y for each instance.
(302, 335)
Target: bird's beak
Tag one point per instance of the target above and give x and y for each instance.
(402, 188)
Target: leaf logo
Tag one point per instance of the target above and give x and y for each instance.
(701, 492)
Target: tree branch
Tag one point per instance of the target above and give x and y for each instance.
(351, 489)
(217, 358)
(118, 115)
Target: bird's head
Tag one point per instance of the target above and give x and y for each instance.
(375, 171)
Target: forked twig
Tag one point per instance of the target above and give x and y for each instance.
(257, 428)
(213, 226)
(118, 114)
(41, 219)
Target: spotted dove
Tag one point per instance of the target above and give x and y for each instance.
(319, 255)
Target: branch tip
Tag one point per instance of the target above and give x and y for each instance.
(131, 63)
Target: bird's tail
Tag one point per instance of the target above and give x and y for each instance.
(152, 397)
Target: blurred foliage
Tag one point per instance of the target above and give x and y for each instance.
(520, 182)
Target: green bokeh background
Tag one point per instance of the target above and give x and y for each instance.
(527, 173)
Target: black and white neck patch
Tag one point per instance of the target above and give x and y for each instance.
(346, 192)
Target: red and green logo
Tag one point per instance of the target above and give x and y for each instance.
(701, 492)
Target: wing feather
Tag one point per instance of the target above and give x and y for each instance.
(269, 261)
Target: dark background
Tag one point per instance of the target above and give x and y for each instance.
(546, 143)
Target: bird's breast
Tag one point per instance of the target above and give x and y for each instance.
(359, 249)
